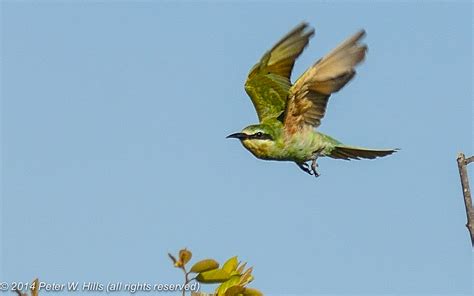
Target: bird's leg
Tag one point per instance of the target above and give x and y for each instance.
(314, 164)
(305, 167)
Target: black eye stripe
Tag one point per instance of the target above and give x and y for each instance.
(261, 136)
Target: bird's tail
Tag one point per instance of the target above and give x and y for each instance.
(348, 152)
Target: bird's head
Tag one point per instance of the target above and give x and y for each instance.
(258, 139)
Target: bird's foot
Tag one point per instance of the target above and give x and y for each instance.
(305, 167)
(314, 164)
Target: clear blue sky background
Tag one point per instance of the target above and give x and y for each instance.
(114, 117)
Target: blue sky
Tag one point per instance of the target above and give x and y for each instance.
(114, 117)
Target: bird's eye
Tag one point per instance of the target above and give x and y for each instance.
(259, 134)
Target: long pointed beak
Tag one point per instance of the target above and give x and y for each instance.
(240, 136)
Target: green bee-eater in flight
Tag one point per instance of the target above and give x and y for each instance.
(289, 113)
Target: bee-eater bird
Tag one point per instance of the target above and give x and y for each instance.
(289, 113)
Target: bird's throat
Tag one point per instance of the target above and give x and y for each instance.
(261, 149)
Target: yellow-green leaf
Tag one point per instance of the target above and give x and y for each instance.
(231, 264)
(204, 265)
(246, 277)
(233, 281)
(213, 276)
(241, 268)
(252, 292)
(184, 257)
(233, 291)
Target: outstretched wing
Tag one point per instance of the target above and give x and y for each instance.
(309, 95)
(268, 82)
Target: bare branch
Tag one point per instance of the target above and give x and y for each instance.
(469, 160)
(462, 163)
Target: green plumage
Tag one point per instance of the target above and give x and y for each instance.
(289, 113)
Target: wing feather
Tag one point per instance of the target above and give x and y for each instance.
(309, 95)
(268, 82)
